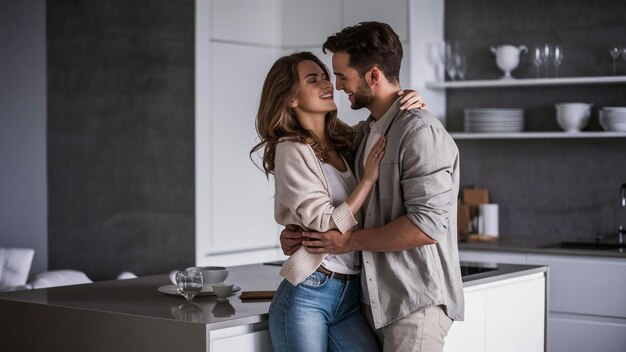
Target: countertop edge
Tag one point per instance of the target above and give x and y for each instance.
(495, 247)
(505, 272)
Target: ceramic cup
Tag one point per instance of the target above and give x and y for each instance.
(222, 291)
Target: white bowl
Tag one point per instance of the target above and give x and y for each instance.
(573, 117)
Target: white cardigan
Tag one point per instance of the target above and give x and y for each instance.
(303, 198)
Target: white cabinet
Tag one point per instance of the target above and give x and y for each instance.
(507, 315)
(587, 298)
(583, 285)
(503, 315)
(580, 333)
(253, 337)
(469, 335)
(587, 302)
(237, 41)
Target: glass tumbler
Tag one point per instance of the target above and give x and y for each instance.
(189, 283)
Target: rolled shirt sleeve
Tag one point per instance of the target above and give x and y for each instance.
(427, 182)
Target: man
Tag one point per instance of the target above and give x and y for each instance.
(410, 275)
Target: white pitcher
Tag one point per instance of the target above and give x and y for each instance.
(507, 58)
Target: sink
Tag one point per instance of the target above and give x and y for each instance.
(589, 245)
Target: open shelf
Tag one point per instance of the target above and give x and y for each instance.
(536, 135)
(527, 82)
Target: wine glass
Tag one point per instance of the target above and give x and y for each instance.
(537, 58)
(461, 65)
(436, 57)
(189, 283)
(451, 50)
(558, 58)
(545, 56)
(614, 51)
(624, 56)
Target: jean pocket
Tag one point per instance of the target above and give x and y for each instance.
(276, 297)
(444, 322)
(316, 279)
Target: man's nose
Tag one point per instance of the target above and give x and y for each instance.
(338, 85)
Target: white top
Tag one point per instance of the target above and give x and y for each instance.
(341, 184)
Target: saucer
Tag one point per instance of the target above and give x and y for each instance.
(171, 290)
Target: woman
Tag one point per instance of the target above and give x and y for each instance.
(305, 146)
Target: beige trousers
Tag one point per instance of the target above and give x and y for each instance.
(422, 331)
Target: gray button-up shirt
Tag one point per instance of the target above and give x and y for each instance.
(419, 177)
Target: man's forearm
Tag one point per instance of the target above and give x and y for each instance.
(397, 235)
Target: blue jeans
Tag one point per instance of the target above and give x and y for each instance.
(320, 314)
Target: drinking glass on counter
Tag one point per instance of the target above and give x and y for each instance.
(189, 283)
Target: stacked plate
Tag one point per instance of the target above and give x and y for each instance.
(493, 120)
(613, 118)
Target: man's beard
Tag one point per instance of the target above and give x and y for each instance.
(363, 96)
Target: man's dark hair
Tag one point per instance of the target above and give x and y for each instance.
(369, 44)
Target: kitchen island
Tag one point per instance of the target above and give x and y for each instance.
(132, 315)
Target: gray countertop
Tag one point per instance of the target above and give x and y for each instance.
(536, 247)
(132, 315)
(140, 297)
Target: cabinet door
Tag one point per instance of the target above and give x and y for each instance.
(466, 255)
(515, 315)
(253, 337)
(583, 285)
(469, 335)
(585, 333)
(506, 315)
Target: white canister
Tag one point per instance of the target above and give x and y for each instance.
(488, 219)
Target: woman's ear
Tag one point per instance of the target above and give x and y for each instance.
(293, 103)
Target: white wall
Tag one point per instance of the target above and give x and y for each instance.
(23, 185)
(237, 42)
(426, 26)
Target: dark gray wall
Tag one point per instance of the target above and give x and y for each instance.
(23, 200)
(548, 190)
(121, 136)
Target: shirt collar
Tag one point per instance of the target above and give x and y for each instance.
(383, 123)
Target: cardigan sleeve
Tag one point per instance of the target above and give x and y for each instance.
(302, 197)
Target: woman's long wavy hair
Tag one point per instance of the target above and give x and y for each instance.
(276, 119)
